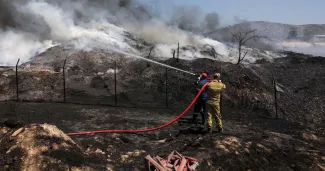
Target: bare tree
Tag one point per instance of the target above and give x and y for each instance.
(242, 36)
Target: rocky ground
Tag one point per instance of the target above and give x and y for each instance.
(253, 139)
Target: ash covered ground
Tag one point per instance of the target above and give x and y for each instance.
(253, 139)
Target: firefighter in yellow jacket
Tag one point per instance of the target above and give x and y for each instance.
(214, 88)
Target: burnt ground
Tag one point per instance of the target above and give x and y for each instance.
(253, 139)
(247, 143)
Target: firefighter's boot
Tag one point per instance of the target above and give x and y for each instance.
(203, 118)
(194, 119)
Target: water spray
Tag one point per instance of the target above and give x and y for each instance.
(149, 60)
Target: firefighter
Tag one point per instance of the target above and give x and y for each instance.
(214, 89)
(200, 105)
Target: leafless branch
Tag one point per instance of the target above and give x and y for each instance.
(244, 55)
(242, 36)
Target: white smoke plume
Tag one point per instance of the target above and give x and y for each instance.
(29, 27)
(15, 44)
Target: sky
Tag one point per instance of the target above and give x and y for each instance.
(281, 11)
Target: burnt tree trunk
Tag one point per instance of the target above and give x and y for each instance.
(239, 53)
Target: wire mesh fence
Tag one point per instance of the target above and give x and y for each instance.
(121, 85)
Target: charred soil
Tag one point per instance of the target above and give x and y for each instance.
(253, 139)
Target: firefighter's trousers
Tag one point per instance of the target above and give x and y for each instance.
(214, 111)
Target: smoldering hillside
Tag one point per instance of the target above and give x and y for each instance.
(38, 25)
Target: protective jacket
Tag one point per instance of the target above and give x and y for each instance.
(214, 89)
(204, 94)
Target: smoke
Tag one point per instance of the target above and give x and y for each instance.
(192, 19)
(156, 31)
(29, 27)
(5, 16)
(46, 16)
(27, 46)
(211, 22)
(238, 20)
(186, 18)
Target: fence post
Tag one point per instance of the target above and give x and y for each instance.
(17, 93)
(275, 98)
(166, 87)
(178, 52)
(151, 48)
(174, 54)
(115, 87)
(64, 92)
(221, 94)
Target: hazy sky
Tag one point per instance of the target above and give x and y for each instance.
(282, 11)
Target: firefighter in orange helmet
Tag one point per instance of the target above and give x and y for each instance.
(200, 105)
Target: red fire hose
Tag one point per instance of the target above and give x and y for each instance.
(144, 130)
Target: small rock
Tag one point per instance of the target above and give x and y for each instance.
(109, 168)
(110, 146)
(17, 132)
(136, 153)
(6, 167)
(54, 146)
(125, 139)
(321, 167)
(309, 136)
(231, 140)
(114, 136)
(323, 158)
(263, 147)
(124, 157)
(265, 160)
(221, 147)
(99, 151)
(163, 140)
(300, 149)
(218, 154)
(292, 165)
(236, 153)
(247, 151)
